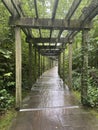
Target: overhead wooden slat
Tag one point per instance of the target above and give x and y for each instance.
(49, 54)
(54, 9)
(53, 14)
(50, 51)
(46, 40)
(72, 9)
(16, 7)
(10, 7)
(36, 12)
(48, 23)
(49, 47)
(70, 13)
(89, 12)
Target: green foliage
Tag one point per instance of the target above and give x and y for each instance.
(92, 97)
(6, 100)
(76, 81)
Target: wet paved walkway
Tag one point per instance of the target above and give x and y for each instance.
(51, 107)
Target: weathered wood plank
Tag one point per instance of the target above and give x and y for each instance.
(16, 7)
(70, 66)
(48, 23)
(54, 9)
(18, 67)
(84, 69)
(49, 51)
(10, 7)
(49, 54)
(49, 47)
(46, 40)
(72, 9)
(89, 12)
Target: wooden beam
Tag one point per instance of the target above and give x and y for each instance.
(49, 51)
(36, 11)
(48, 23)
(16, 7)
(89, 12)
(49, 47)
(53, 14)
(8, 4)
(46, 40)
(72, 9)
(49, 54)
(54, 9)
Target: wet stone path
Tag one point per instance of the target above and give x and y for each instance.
(50, 106)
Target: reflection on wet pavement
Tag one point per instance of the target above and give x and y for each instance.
(50, 106)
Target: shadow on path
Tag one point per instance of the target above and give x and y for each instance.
(50, 106)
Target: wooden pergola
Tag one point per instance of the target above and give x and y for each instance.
(50, 46)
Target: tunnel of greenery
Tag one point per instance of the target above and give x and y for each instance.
(7, 58)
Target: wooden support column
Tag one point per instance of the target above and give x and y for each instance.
(59, 64)
(84, 73)
(39, 64)
(30, 66)
(35, 77)
(43, 63)
(70, 65)
(64, 66)
(18, 67)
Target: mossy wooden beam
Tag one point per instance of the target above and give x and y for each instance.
(56, 24)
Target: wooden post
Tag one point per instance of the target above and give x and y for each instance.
(59, 64)
(70, 66)
(38, 64)
(41, 64)
(64, 66)
(18, 67)
(35, 65)
(30, 65)
(84, 73)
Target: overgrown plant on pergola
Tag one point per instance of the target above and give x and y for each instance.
(51, 46)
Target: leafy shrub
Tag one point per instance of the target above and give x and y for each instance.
(6, 100)
(92, 97)
(76, 81)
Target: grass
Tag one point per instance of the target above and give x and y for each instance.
(6, 119)
(77, 96)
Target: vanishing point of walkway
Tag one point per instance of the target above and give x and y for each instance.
(50, 106)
